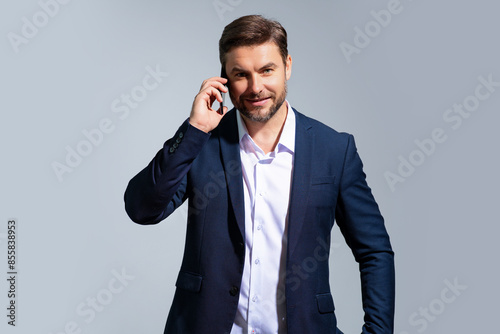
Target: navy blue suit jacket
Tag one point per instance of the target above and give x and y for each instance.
(328, 184)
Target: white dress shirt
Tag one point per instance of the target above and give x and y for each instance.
(266, 183)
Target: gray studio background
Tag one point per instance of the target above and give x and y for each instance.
(84, 267)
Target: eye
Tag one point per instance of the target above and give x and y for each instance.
(268, 71)
(240, 75)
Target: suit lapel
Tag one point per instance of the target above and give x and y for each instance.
(231, 161)
(301, 179)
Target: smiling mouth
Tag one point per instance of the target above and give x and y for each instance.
(258, 102)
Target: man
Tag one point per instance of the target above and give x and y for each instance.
(264, 184)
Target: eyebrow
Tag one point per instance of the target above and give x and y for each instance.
(268, 65)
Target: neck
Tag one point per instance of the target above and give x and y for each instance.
(267, 134)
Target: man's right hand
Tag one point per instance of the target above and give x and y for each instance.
(202, 115)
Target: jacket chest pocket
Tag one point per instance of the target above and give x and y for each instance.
(323, 191)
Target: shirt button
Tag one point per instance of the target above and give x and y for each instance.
(234, 291)
(257, 261)
(181, 134)
(254, 299)
(259, 227)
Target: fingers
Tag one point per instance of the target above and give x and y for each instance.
(210, 94)
(203, 116)
(211, 90)
(216, 82)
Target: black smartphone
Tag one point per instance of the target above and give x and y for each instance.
(223, 75)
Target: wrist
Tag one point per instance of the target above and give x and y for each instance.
(199, 126)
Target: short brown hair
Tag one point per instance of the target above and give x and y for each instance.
(252, 30)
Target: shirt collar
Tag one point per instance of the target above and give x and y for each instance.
(287, 138)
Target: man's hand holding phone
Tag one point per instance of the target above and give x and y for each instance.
(203, 116)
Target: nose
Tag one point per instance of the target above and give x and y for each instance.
(255, 84)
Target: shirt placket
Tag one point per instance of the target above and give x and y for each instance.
(256, 297)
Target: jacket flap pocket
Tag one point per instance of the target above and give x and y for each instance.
(325, 302)
(189, 281)
(322, 180)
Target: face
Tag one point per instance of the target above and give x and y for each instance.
(257, 80)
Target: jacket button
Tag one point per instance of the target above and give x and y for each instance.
(234, 291)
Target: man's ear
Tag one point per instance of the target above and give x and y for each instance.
(288, 67)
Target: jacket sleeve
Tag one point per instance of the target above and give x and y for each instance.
(362, 225)
(157, 190)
